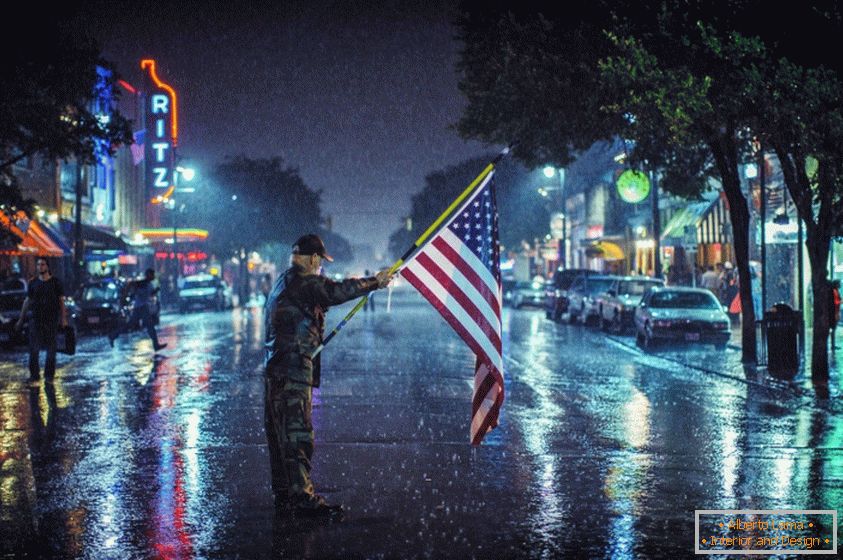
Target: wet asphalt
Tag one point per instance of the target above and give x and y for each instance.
(603, 451)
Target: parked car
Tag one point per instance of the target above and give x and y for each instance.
(556, 291)
(102, 304)
(204, 291)
(582, 297)
(528, 293)
(12, 294)
(507, 286)
(676, 314)
(616, 306)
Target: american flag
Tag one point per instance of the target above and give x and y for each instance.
(458, 271)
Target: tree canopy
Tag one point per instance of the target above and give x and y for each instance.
(49, 94)
(696, 88)
(248, 203)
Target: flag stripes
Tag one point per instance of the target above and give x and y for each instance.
(458, 272)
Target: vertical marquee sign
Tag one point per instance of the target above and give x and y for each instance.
(161, 113)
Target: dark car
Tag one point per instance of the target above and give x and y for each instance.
(582, 297)
(204, 291)
(681, 315)
(528, 294)
(556, 291)
(102, 304)
(12, 294)
(507, 286)
(616, 306)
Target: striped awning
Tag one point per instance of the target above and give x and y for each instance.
(34, 240)
(705, 217)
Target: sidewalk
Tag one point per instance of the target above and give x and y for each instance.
(803, 378)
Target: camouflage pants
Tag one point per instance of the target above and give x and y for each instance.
(289, 433)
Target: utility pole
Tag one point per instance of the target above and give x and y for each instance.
(563, 247)
(78, 246)
(762, 183)
(657, 226)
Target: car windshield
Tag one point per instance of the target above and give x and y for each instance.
(635, 287)
(107, 292)
(684, 300)
(565, 278)
(593, 287)
(203, 283)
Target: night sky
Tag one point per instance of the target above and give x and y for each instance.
(358, 95)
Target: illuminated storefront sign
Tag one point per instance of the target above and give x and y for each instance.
(161, 112)
(633, 186)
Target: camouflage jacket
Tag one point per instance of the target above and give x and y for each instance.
(294, 320)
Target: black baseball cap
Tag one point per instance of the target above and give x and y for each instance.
(311, 244)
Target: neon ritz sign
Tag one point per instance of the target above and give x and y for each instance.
(161, 111)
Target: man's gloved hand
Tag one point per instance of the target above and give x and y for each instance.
(384, 278)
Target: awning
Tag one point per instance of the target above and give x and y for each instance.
(674, 232)
(56, 236)
(34, 240)
(95, 238)
(605, 250)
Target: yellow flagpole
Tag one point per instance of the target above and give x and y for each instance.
(419, 242)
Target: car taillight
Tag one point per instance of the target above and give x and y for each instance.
(721, 325)
(662, 323)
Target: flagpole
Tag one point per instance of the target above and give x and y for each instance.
(419, 242)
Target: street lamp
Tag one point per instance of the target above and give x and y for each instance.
(187, 174)
(549, 172)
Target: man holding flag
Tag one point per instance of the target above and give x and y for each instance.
(294, 322)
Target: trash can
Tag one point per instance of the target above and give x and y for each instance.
(782, 326)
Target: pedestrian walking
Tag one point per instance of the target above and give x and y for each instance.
(294, 323)
(710, 281)
(143, 311)
(266, 286)
(45, 298)
(370, 301)
(834, 315)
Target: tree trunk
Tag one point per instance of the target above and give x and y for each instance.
(725, 155)
(818, 245)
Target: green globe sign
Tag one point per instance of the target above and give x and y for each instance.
(633, 186)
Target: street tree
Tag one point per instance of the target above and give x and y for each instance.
(645, 71)
(260, 202)
(47, 102)
(800, 118)
(783, 95)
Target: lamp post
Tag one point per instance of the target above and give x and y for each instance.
(549, 172)
(188, 174)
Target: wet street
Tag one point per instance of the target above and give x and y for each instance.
(603, 451)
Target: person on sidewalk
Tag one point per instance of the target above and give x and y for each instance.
(294, 323)
(834, 316)
(370, 301)
(45, 297)
(142, 311)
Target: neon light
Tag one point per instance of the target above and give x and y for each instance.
(151, 65)
(127, 86)
(167, 233)
(164, 197)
